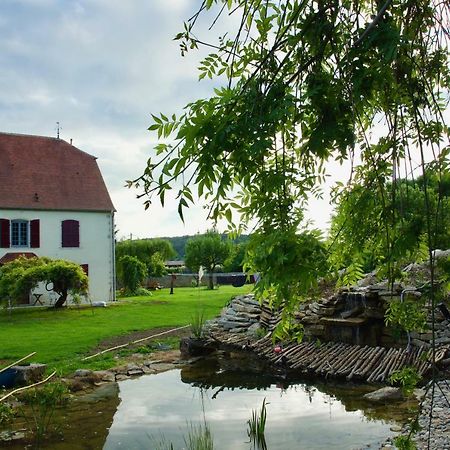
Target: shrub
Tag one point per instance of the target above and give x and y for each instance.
(132, 272)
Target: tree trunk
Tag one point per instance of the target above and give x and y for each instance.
(61, 300)
(211, 279)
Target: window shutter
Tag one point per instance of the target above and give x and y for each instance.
(70, 233)
(85, 268)
(4, 233)
(35, 228)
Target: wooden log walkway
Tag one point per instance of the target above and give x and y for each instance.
(333, 359)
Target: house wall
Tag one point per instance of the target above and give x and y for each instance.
(96, 246)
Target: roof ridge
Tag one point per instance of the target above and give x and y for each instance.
(31, 135)
(47, 137)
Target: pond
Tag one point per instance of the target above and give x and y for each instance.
(147, 411)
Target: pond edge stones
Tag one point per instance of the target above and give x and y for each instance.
(241, 315)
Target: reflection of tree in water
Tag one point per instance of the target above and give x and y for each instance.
(230, 373)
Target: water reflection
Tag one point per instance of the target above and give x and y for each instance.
(300, 416)
(223, 391)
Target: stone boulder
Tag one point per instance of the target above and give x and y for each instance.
(384, 394)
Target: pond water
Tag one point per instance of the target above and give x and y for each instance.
(147, 411)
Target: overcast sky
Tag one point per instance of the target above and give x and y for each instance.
(100, 67)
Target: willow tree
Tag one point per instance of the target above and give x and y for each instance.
(303, 82)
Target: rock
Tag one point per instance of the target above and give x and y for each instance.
(229, 325)
(254, 330)
(373, 313)
(310, 320)
(104, 392)
(9, 436)
(192, 347)
(105, 375)
(419, 394)
(29, 374)
(99, 304)
(230, 312)
(135, 372)
(384, 394)
(121, 377)
(162, 367)
(82, 373)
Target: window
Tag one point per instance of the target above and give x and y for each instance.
(70, 236)
(19, 233)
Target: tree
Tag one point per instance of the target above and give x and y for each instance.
(20, 276)
(307, 82)
(235, 262)
(144, 250)
(132, 272)
(209, 251)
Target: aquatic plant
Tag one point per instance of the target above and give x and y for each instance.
(199, 438)
(197, 324)
(6, 413)
(43, 403)
(162, 444)
(257, 427)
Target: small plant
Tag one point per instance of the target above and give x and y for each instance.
(408, 378)
(257, 427)
(162, 444)
(404, 442)
(199, 438)
(6, 413)
(43, 403)
(408, 315)
(197, 324)
(288, 330)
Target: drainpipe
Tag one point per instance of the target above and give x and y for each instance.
(113, 256)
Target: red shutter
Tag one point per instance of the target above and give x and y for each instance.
(85, 268)
(35, 241)
(4, 233)
(70, 233)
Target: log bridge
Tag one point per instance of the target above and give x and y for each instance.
(332, 359)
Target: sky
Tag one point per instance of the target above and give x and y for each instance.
(100, 68)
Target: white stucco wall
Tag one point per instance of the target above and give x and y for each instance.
(96, 246)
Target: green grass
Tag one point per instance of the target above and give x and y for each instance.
(62, 337)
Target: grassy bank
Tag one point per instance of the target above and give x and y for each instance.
(62, 337)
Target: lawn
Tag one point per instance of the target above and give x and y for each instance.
(62, 337)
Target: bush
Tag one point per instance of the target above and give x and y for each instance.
(20, 276)
(132, 272)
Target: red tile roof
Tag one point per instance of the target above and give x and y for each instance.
(8, 257)
(38, 172)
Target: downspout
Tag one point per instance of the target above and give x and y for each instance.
(113, 255)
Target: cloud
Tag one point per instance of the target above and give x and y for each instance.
(100, 67)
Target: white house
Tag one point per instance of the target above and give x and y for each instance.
(54, 203)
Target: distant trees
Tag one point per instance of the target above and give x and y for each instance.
(151, 252)
(20, 276)
(360, 241)
(235, 262)
(209, 251)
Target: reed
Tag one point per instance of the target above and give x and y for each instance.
(197, 324)
(257, 427)
(199, 438)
